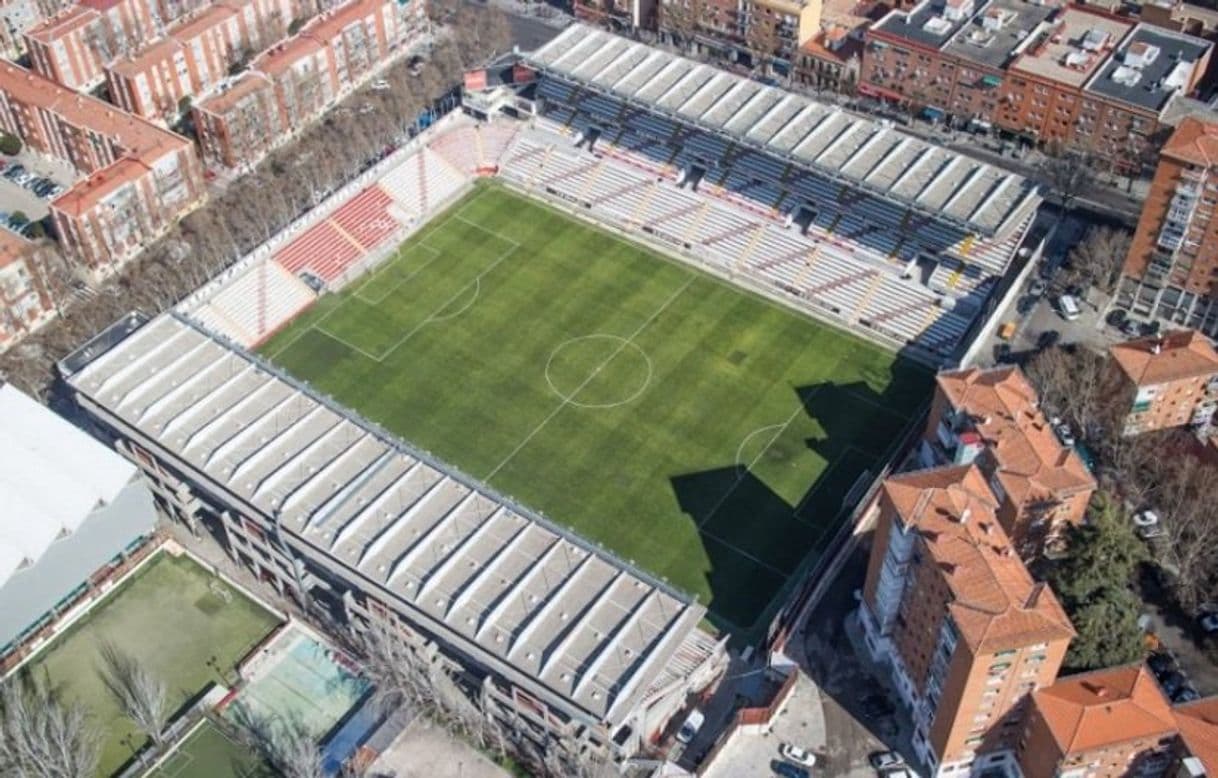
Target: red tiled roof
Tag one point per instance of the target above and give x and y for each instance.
(1194, 141)
(1198, 723)
(1004, 408)
(1168, 357)
(997, 605)
(1104, 708)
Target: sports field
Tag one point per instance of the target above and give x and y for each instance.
(207, 752)
(171, 615)
(703, 432)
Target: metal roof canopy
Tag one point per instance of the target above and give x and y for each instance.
(789, 126)
(492, 578)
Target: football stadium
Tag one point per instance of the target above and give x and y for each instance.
(581, 380)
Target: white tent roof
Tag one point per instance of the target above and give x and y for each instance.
(52, 476)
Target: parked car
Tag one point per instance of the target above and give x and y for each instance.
(788, 770)
(1116, 317)
(1131, 328)
(800, 756)
(1186, 694)
(1025, 305)
(1147, 518)
(1037, 289)
(886, 760)
(1066, 434)
(1209, 623)
(1172, 682)
(693, 722)
(14, 171)
(1161, 663)
(1067, 306)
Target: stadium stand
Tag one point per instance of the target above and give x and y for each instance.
(423, 181)
(254, 304)
(322, 250)
(884, 231)
(477, 148)
(820, 271)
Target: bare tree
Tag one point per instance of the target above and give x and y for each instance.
(141, 696)
(682, 19)
(1069, 171)
(40, 737)
(1077, 385)
(1098, 258)
(294, 752)
(761, 39)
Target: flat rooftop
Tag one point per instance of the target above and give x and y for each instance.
(993, 34)
(928, 22)
(830, 142)
(1153, 66)
(506, 587)
(1073, 47)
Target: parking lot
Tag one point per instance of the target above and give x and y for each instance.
(21, 200)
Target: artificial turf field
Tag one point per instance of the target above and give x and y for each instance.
(701, 431)
(207, 752)
(169, 616)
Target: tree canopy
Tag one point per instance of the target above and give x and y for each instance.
(1094, 581)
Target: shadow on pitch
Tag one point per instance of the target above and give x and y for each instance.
(754, 538)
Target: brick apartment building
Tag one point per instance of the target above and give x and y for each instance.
(29, 274)
(291, 84)
(138, 178)
(1106, 724)
(196, 55)
(992, 417)
(735, 30)
(617, 15)
(73, 47)
(1168, 380)
(239, 125)
(1071, 76)
(1171, 271)
(949, 606)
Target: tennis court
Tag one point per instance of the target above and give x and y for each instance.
(296, 682)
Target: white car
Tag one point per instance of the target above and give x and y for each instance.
(1209, 623)
(885, 761)
(800, 756)
(1145, 519)
(693, 723)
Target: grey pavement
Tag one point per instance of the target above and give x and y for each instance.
(801, 721)
(425, 750)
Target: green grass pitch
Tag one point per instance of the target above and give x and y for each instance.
(698, 430)
(207, 752)
(167, 616)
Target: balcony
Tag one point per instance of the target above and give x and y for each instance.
(1171, 240)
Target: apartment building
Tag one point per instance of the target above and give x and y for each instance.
(138, 178)
(73, 47)
(617, 14)
(292, 83)
(1061, 76)
(240, 124)
(1165, 381)
(949, 607)
(1103, 724)
(949, 57)
(196, 55)
(992, 417)
(1171, 271)
(30, 276)
(832, 57)
(744, 30)
(1198, 724)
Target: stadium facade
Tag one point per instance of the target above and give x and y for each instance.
(568, 646)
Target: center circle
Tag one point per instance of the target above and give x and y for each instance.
(598, 371)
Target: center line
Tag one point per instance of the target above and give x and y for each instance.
(570, 396)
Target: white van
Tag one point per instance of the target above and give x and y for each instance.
(693, 723)
(1068, 307)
